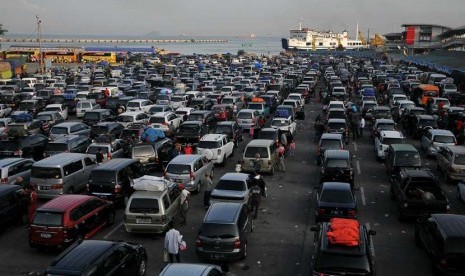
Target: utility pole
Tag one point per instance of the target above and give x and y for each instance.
(39, 39)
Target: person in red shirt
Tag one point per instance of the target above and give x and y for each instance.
(32, 205)
(281, 152)
(188, 149)
(106, 92)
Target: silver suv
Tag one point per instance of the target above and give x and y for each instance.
(189, 170)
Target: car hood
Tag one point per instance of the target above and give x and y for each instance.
(229, 193)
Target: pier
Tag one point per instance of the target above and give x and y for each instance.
(114, 41)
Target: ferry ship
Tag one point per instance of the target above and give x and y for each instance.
(306, 39)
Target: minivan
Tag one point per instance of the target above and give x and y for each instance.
(112, 180)
(68, 218)
(399, 156)
(11, 168)
(64, 173)
(189, 170)
(11, 205)
(268, 151)
(153, 155)
(92, 117)
(154, 204)
(224, 233)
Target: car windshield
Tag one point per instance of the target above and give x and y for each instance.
(99, 129)
(157, 120)
(232, 185)
(347, 263)
(83, 105)
(330, 143)
(94, 149)
(59, 130)
(255, 106)
(189, 128)
(178, 169)
(26, 106)
(209, 144)
(102, 176)
(128, 133)
(389, 141)
(196, 117)
(56, 147)
(334, 125)
(125, 118)
(407, 158)
(91, 116)
(223, 129)
(269, 135)
(156, 109)
(280, 123)
(163, 97)
(244, 115)
(218, 230)
(134, 104)
(144, 205)
(141, 151)
(444, 139)
(387, 126)
(337, 163)
(48, 218)
(227, 101)
(45, 118)
(45, 173)
(336, 196)
(250, 152)
(177, 99)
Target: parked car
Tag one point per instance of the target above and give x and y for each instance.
(68, 218)
(333, 258)
(68, 128)
(328, 141)
(232, 187)
(154, 156)
(5, 110)
(206, 117)
(384, 139)
(63, 110)
(95, 116)
(190, 132)
(216, 148)
(232, 130)
(31, 146)
(127, 118)
(432, 139)
(335, 199)
(190, 170)
(176, 269)
(116, 148)
(86, 257)
(225, 232)
(11, 168)
(67, 143)
(451, 162)
(442, 237)
(168, 122)
(106, 128)
(222, 112)
(337, 166)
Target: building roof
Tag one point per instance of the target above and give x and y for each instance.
(425, 25)
(392, 36)
(454, 31)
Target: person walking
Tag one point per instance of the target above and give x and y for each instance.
(362, 126)
(188, 149)
(255, 198)
(208, 184)
(32, 206)
(292, 148)
(281, 152)
(257, 166)
(99, 156)
(238, 168)
(184, 203)
(173, 240)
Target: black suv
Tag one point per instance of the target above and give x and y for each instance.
(207, 118)
(11, 205)
(113, 128)
(190, 132)
(31, 146)
(423, 123)
(202, 103)
(98, 257)
(335, 199)
(338, 259)
(443, 237)
(232, 129)
(337, 166)
(224, 232)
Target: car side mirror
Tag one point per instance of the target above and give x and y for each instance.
(371, 232)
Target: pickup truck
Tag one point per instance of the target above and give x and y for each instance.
(190, 132)
(417, 194)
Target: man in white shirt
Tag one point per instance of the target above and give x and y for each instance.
(362, 126)
(172, 241)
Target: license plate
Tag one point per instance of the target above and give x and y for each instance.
(143, 220)
(44, 188)
(217, 256)
(45, 235)
(336, 212)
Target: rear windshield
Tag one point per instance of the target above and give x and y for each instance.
(157, 120)
(26, 106)
(231, 185)
(444, 139)
(59, 130)
(255, 106)
(223, 129)
(46, 173)
(280, 123)
(269, 135)
(99, 129)
(127, 133)
(227, 101)
(125, 118)
(337, 163)
(389, 141)
(48, 218)
(388, 126)
(459, 159)
(91, 116)
(244, 115)
(189, 128)
(336, 125)
(196, 117)
(342, 196)
(144, 205)
(330, 143)
(217, 230)
(209, 144)
(407, 158)
(94, 149)
(143, 151)
(45, 118)
(100, 176)
(178, 169)
(83, 105)
(250, 152)
(60, 147)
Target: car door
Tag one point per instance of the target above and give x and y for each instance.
(229, 146)
(117, 263)
(441, 158)
(117, 150)
(426, 139)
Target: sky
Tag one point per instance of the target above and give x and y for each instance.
(222, 17)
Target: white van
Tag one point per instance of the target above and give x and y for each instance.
(29, 81)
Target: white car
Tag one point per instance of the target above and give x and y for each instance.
(139, 105)
(167, 121)
(184, 112)
(127, 118)
(83, 106)
(297, 97)
(216, 148)
(5, 110)
(179, 101)
(284, 124)
(384, 140)
(61, 108)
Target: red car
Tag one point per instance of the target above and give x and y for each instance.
(67, 218)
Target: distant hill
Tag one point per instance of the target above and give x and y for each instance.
(152, 34)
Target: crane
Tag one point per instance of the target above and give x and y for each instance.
(362, 39)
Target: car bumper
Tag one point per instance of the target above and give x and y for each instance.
(145, 228)
(236, 254)
(49, 194)
(246, 125)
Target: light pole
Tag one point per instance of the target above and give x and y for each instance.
(39, 39)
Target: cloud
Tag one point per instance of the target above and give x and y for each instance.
(32, 7)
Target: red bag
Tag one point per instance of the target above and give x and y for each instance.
(344, 232)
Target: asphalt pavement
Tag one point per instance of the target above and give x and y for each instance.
(282, 243)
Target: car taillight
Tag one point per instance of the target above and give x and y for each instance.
(87, 187)
(351, 213)
(192, 176)
(5, 180)
(18, 152)
(198, 242)
(165, 124)
(118, 188)
(443, 262)
(320, 211)
(164, 173)
(56, 187)
(237, 243)
(108, 156)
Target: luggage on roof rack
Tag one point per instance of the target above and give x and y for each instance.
(344, 232)
(151, 183)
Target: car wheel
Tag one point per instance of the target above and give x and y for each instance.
(142, 266)
(111, 219)
(244, 252)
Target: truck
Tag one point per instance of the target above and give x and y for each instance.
(417, 194)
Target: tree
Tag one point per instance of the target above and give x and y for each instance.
(241, 52)
(2, 31)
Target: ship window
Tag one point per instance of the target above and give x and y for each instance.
(320, 44)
